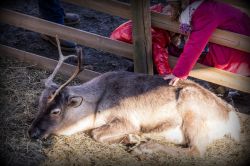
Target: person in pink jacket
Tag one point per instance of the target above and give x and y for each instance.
(199, 20)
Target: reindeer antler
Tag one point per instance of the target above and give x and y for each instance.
(62, 58)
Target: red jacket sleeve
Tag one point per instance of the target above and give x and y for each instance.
(160, 39)
(157, 8)
(203, 25)
(123, 33)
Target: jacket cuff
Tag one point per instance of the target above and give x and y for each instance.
(179, 75)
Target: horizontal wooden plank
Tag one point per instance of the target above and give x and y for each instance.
(200, 71)
(45, 63)
(218, 76)
(111, 7)
(65, 32)
(222, 37)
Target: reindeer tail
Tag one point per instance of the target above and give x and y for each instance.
(233, 124)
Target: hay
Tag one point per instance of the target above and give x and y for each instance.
(20, 88)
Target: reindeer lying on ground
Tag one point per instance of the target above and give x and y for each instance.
(116, 104)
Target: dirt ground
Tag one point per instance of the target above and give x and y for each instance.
(20, 87)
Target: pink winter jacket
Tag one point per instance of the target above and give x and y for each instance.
(207, 17)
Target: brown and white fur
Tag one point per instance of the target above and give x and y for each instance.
(116, 104)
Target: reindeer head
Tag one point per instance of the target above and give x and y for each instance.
(55, 101)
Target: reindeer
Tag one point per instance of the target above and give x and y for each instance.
(116, 104)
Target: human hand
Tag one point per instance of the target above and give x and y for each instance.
(174, 80)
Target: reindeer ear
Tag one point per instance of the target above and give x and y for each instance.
(75, 101)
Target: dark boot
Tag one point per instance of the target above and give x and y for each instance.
(65, 45)
(71, 19)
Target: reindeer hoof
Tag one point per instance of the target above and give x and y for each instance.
(131, 139)
(96, 135)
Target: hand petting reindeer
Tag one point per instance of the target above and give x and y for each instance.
(116, 104)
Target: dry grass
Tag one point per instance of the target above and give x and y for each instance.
(20, 88)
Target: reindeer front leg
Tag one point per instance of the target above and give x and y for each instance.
(114, 132)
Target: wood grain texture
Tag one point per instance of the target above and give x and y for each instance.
(142, 39)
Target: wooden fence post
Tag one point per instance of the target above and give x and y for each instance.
(142, 40)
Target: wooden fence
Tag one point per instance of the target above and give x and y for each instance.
(135, 52)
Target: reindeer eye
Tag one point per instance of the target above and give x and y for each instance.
(55, 111)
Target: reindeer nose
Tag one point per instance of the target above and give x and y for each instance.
(34, 133)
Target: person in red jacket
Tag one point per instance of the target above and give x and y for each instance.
(199, 20)
(160, 40)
